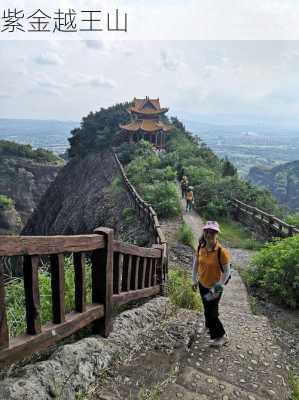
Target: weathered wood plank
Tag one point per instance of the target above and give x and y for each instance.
(129, 272)
(137, 271)
(102, 280)
(40, 245)
(116, 277)
(24, 345)
(124, 280)
(57, 283)
(150, 272)
(80, 286)
(126, 248)
(32, 299)
(144, 266)
(4, 337)
(125, 297)
(120, 271)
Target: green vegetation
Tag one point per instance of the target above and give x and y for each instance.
(99, 130)
(6, 202)
(15, 299)
(154, 181)
(185, 235)
(215, 181)
(13, 149)
(293, 219)
(294, 382)
(180, 290)
(238, 236)
(275, 269)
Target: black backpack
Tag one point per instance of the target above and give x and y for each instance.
(202, 244)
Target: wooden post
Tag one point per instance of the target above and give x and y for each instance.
(4, 339)
(159, 268)
(80, 287)
(102, 280)
(57, 283)
(32, 299)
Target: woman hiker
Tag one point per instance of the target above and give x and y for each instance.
(211, 270)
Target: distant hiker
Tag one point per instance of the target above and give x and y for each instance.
(189, 199)
(211, 271)
(184, 186)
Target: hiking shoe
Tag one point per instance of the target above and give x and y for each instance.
(222, 341)
(205, 331)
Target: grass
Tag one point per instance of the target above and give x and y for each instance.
(180, 290)
(238, 236)
(185, 235)
(15, 297)
(294, 383)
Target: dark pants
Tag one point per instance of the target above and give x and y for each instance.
(188, 205)
(211, 311)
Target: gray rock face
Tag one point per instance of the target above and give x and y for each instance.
(24, 181)
(73, 368)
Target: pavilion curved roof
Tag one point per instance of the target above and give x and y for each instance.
(149, 126)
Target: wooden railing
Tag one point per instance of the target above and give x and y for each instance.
(120, 273)
(146, 212)
(274, 224)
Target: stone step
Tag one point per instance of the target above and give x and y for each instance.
(176, 392)
(257, 369)
(212, 387)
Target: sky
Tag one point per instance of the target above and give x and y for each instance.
(65, 80)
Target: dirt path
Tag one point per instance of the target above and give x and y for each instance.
(252, 366)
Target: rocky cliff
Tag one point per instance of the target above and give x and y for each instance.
(87, 193)
(282, 181)
(24, 181)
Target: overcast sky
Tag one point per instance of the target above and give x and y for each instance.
(68, 79)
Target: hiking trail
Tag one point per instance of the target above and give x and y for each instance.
(250, 367)
(174, 361)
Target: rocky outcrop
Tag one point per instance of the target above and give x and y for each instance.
(87, 193)
(74, 367)
(282, 181)
(24, 181)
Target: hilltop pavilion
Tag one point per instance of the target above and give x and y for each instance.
(145, 122)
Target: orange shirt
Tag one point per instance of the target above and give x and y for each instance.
(209, 271)
(189, 195)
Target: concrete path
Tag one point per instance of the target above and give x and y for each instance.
(252, 366)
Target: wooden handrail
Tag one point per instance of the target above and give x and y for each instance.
(120, 273)
(30, 245)
(146, 209)
(269, 220)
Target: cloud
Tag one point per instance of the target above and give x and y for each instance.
(48, 58)
(93, 81)
(47, 86)
(169, 61)
(94, 44)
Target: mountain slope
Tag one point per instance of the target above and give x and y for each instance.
(282, 181)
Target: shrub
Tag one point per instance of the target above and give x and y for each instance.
(185, 235)
(275, 268)
(6, 202)
(293, 219)
(180, 290)
(8, 148)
